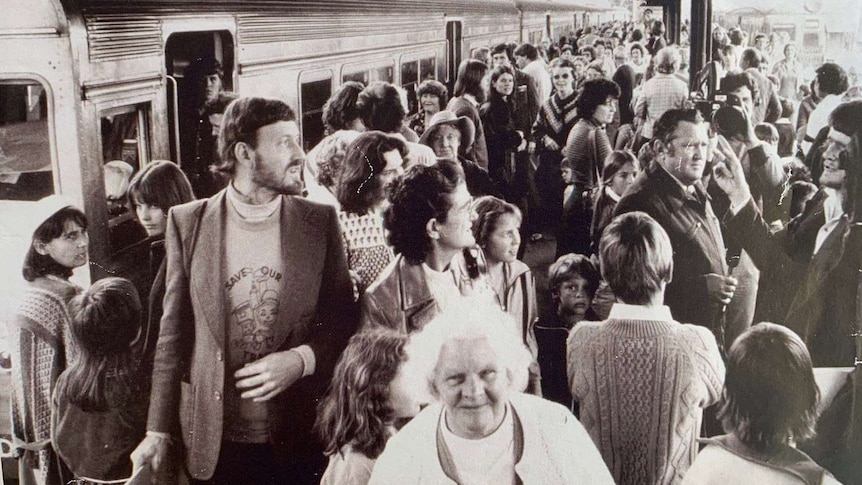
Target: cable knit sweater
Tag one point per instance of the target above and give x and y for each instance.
(642, 384)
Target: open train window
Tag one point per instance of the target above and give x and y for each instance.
(414, 70)
(26, 171)
(125, 149)
(315, 89)
(368, 72)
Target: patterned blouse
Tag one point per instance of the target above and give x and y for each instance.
(365, 242)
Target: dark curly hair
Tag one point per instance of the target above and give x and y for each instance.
(340, 110)
(593, 94)
(770, 394)
(419, 196)
(568, 266)
(356, 407)
(359, 185)
(380, 107)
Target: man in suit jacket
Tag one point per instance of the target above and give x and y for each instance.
(670, 190)
(258, 308)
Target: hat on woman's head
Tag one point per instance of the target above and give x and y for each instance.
(44, 209)
(446, 117)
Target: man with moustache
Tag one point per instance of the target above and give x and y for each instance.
(258, 307)
(670, 190)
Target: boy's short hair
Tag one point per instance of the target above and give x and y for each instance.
(766, 132)
(636, 257)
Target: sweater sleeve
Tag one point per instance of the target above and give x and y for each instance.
(709, 363)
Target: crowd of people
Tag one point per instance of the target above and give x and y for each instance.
(362, 313)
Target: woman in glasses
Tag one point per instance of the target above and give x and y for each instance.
(556, 119)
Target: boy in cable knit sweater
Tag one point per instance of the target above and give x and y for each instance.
(641, 378)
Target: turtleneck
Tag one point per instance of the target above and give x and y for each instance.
(251, 212)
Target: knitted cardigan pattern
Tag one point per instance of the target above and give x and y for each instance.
(642, 385)
(556, 119)
(40, 328)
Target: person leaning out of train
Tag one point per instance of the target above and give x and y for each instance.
(381, 108)
(369, 399)
(372, 164)
(40, 327)
(100, 402)
(156, 188)
(429, 220)
(446, 134)
(768, 405)
(469, 95)
(677, 367)
(497, 232)
(480, 428)
(433, 97)
(323, 163)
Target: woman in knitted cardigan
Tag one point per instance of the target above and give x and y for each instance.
(556, 119)
(641, 378)
(40, 326)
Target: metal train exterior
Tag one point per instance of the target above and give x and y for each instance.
(85, 82)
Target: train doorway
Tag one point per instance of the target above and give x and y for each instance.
(200, 68)
(454, 41)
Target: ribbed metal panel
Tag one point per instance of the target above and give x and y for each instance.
(259, 28)
(452, 7)
(119, 36)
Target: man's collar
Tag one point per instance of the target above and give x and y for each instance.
(623, 311)
(696, 189)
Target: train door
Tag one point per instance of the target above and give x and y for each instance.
(315, 88)
(454, 41)
(194, 62)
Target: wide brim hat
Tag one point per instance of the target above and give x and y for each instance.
(465, 127)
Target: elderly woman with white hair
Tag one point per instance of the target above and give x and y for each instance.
(481, 429)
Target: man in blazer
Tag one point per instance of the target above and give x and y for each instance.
(670, 190)
(258, 307)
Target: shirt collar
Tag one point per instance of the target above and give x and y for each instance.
(624, 311)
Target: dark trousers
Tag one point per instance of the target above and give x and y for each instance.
(259, 464)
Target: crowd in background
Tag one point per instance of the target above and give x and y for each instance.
(362, 314)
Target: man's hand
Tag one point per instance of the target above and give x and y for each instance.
(153, 451)
(720, 288)
(269, 376)
(729, 175)
(550, 144)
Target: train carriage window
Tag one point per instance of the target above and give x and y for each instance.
(124, 151)
(383, 70)
(25, 149)
(315, 89)
(413, 72)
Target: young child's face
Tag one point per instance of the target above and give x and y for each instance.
(566, 172)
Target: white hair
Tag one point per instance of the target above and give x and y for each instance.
(467, 319)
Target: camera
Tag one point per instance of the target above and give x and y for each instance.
(727, 118)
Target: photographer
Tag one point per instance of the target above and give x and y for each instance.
(763, 172)
(823, 309)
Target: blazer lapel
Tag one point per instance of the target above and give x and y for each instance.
(205, 280)
(298, 248)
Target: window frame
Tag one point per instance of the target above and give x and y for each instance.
(307, 76)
